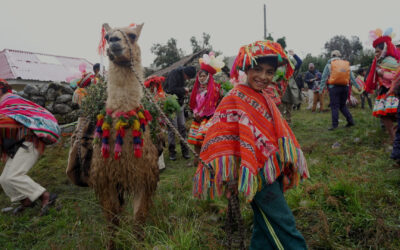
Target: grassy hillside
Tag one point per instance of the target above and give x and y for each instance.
(352, 200)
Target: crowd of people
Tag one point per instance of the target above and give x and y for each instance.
(243, 136)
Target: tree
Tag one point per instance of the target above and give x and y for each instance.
(349, 49)
(365, 58)
(269, 37)
(282, 42)
(318, 61)
(166, 54)
(198, 45)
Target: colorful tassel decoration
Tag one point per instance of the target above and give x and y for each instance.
(134, 119)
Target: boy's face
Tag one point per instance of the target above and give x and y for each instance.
(260, 76)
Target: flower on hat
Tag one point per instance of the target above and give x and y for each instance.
(211, 64)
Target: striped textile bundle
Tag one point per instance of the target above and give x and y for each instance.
(247, 134)
(10, 129)
(197, 132)
(32, 116)
(194, 128)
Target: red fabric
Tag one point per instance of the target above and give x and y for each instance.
(86, 80)
(391, 50)
(157, 80)
(208, 68)
(370, 83)
(101, 49)
(212, 95)
(246, 134)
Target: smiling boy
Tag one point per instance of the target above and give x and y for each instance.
(250, 144)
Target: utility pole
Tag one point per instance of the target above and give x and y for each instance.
(265, 22)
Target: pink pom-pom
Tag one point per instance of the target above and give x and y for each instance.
(97, 135)
(118, 148)
(105, 150)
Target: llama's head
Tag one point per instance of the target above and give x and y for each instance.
(119, 40)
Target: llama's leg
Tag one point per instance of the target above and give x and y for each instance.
(141, 206)
(112, 205)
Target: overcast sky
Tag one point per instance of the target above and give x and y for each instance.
(72, 27)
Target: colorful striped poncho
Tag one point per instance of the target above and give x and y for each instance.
(248, 137)
(32, 116)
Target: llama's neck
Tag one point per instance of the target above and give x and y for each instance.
(124, 90)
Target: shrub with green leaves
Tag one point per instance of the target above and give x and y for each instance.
(226, 87)
(95, 100)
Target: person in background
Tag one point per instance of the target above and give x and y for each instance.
(25, 127)
(300, 85)
(337, 75)
(380, 77)
(175, 85)
(87, 79)
(292, 95)
(318, 97)
(154, 84)
(204, 99)
(310, 78)
(364, 94)
(396, 144)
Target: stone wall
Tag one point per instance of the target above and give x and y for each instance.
(56, 98)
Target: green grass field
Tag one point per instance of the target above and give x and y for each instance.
(351, 201)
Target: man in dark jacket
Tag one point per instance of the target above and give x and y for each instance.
(175, 85)
(300, 84)
(310, 78)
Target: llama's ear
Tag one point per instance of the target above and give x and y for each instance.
(106, 27)
(139, 29)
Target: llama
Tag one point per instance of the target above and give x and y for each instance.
(124, 173)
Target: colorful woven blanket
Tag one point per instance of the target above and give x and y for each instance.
(40, 121)
(247, 134)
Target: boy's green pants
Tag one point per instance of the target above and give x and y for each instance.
(274, 226)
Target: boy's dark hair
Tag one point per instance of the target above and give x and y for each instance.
(190, 71)
(270, 60)
(96, 67)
